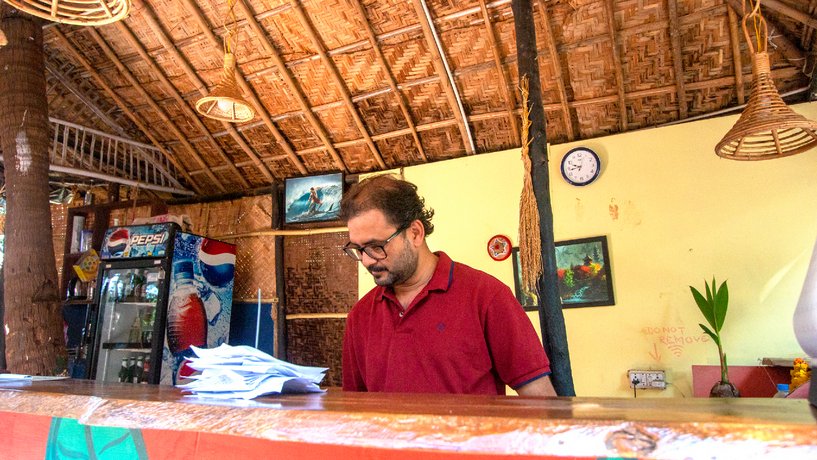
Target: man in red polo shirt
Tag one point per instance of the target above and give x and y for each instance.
(431, 325)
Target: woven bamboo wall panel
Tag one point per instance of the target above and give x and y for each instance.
(467, 46)
(577, 20)
(300, 134)
(126, 216)
(702, 101)
(400, 150)
(633, 13)
(358, 157)
(319, 277)
(647, 111)
(443, 143)
(428, 103)
(555, 126)
(317, 342)
(443, 7)
(599, 118)
(339, 124)
(481, 91)
(711, 56)
(316, 81)
(319, 161)
(389, 15)
(493, 135)
(286, 31)
(409, 59)
(369, 75)
(598, 77)
(378, 115)
(645, 65)
(254, 268)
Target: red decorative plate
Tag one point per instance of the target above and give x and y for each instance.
(499, 247)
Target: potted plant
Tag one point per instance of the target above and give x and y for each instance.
(713, 307)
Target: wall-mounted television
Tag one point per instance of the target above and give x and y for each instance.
(312, 198)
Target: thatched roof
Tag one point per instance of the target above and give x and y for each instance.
(358, 86)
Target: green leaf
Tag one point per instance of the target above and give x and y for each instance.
(711, 334)
(721, 304)
(705, 305)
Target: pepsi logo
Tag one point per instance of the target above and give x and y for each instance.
(217, 262)
(118, 242)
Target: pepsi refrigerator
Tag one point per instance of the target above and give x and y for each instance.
(160, 291)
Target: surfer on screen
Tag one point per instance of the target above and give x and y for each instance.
(314, 201)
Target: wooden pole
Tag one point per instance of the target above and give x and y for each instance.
(551, 319)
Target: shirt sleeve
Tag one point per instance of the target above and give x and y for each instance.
(517, 352)
(352, 376)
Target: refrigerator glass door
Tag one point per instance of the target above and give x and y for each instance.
(128, 305)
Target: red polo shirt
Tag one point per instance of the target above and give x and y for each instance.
(463, 333)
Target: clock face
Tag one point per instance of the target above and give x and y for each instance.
(581, 166)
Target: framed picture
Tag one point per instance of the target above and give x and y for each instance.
(583, 268)
(312, 198)
(528, 300)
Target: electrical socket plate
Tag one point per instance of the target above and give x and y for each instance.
(647, 379)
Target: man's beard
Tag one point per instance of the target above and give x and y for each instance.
(402, 268)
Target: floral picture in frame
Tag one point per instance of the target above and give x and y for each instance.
(583, 270)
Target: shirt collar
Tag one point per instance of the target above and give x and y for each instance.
(440, 281)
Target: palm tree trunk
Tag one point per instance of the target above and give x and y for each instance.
(34, 341)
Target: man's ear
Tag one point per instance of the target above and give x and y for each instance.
(416, 232)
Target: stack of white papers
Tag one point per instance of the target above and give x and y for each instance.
(243, 372)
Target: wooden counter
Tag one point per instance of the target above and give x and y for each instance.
(156, 422)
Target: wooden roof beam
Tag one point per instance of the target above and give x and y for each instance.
(613, 36)
(786, 10)
(294, 88)
(442, 69)
(124, 107)
(174, 93)
(158, 31)
(164, 116)
(805, 38)
(737, 59)
(677, 56)
(790, 50)
(84, 97)
(505, 85)
(245, 87)
(317, 42)
(364, 22)
(556, 57)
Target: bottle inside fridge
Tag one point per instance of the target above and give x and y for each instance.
(128, 317)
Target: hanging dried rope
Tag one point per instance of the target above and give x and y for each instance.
(530, 243)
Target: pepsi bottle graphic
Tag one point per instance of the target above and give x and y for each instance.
(186, 316)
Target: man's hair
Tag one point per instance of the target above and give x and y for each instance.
(397, 199)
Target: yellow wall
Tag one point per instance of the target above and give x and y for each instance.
(674, 214)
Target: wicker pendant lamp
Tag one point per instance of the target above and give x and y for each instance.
(767, 128)
(225, 103)
(76, 12)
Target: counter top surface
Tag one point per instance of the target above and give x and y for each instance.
(661, 427)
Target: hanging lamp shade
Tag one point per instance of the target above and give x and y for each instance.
(76, 12)
(225, 103)
(767, 128)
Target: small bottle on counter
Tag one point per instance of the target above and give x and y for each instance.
(782, 390)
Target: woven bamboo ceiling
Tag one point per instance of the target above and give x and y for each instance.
(361, 85)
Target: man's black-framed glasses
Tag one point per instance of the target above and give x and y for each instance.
(375, 250)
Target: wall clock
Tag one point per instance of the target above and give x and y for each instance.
(499, 247)
(580, 166)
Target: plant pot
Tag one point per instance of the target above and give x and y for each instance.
(724, 390)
